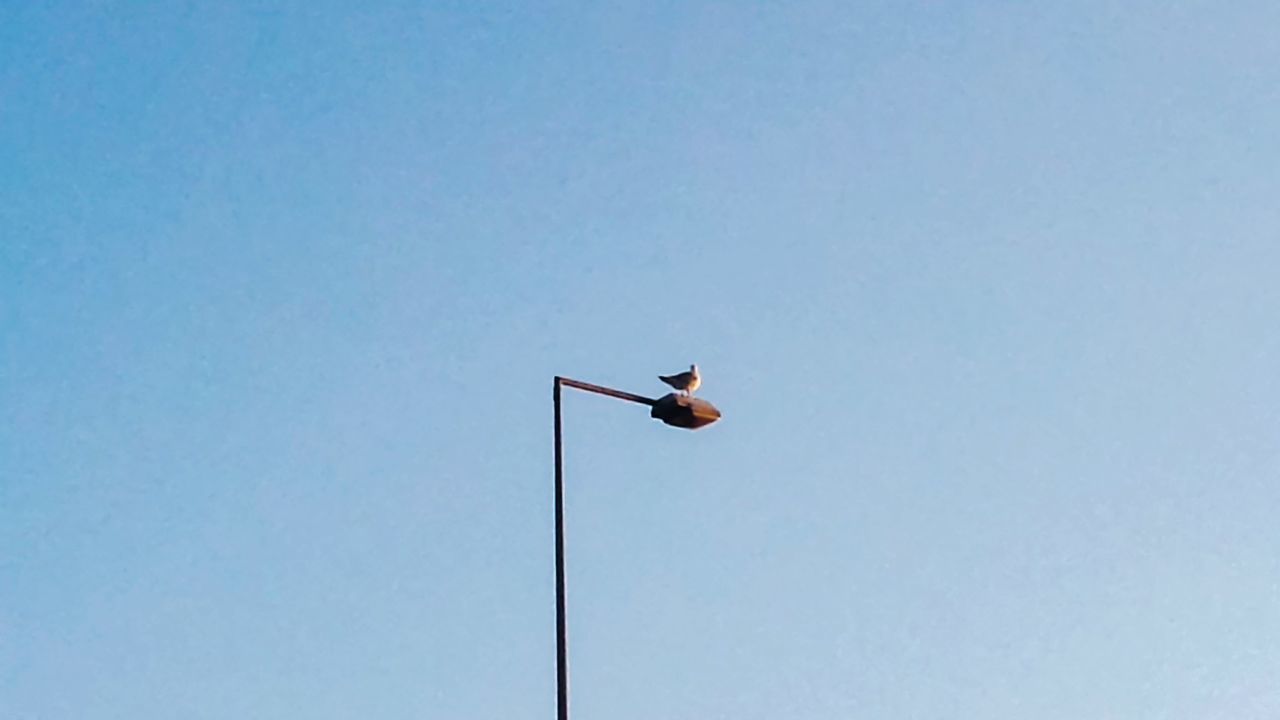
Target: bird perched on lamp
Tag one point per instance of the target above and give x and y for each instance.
(686, 382)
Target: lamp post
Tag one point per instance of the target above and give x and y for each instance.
(676, 410)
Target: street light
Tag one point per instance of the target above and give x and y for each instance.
(682, 411)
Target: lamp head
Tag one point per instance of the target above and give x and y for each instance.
(684, 411)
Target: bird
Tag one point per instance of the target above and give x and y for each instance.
(687, 381)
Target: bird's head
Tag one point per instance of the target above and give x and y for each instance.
(693, 369)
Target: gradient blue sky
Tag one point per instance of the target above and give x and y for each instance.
(988, 293)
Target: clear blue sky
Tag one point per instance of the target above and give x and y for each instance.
(989, 294)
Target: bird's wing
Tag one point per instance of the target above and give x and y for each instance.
(678, 381)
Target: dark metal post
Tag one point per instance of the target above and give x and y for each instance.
(681, 412)
(562, 630)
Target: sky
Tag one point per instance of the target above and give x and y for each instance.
(987, 293)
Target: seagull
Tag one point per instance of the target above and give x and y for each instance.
(687, 381)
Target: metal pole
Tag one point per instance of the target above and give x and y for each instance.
(562, 630)
(562, 625)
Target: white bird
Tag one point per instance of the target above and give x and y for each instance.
(687, 381)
